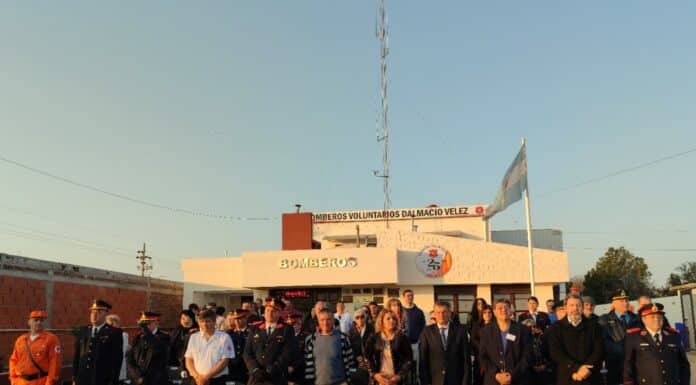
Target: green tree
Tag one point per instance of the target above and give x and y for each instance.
(617, 269)
(686, 274)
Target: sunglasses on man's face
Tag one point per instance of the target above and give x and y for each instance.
(359, 316)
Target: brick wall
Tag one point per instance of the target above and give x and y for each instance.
(69, 308)
(17, 297)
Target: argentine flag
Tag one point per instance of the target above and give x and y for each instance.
(513, 185)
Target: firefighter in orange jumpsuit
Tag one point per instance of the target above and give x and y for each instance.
(36, 358)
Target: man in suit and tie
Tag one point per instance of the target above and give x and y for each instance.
(270, 348)
(505, 350)
(541, 319)
(98, 349)
(444, 350)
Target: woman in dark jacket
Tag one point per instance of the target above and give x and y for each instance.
(485, 318)
(388, 351)
(359, 334)
(179, 341)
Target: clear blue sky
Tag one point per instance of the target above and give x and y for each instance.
(244, 108)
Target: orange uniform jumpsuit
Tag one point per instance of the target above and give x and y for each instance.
(47, 353)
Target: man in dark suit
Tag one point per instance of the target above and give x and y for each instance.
(270, 348)
(576, 346)
(146, 360)
(654, 354)
(98, 349)
(614, 325)
(237, 371)
(444, 350)
(505, 350)
(541, 319)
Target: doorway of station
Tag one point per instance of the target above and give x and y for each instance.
(303, 299)
(461, 298)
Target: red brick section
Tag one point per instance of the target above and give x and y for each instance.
(297, 231)
(18, 296)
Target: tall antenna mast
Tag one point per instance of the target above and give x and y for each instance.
(382, 131)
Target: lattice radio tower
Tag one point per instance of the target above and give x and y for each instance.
(383, 121)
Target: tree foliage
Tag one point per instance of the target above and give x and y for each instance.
(686, 274)
(617, 269)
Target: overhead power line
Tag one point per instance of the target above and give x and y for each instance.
(666, 250)
(134, 200)
(619, 172)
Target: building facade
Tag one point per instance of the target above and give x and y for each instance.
(441, 253)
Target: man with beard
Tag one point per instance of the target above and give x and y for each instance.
(576, 346)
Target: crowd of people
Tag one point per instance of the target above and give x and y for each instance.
(273, 344)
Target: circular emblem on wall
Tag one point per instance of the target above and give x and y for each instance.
(434, 261)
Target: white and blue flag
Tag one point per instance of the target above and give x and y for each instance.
(513, 185)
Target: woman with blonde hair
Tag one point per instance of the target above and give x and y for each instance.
(388, 351)
(394, 304)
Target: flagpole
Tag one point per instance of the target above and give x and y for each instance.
(530, 246)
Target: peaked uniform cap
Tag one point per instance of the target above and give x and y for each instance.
(147, 316)
(99, 304)
(619, 294)
(650, 309)
(240, 313)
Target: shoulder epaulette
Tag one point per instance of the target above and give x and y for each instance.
(257, 323)
(633, 330)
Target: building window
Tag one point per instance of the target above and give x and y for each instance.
(393, 293)
(516, 294)
(460, 298)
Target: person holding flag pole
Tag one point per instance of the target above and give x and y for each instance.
(511, 188)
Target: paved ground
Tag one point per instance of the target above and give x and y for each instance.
(692, 360)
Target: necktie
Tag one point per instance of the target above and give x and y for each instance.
(443, 338)
(657, 339)
(94, 331)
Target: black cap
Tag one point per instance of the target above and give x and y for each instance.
(99, 304)
(147, 316)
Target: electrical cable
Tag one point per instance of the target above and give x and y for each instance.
(618, 172)
(131, 199)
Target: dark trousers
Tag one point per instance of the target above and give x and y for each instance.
(217, 381)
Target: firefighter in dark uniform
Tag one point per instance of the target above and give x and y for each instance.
(146, 360)
(98, 349)
(270, 347)
(614, 325)
(297, 366)
(238, 372)
(654, 354)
